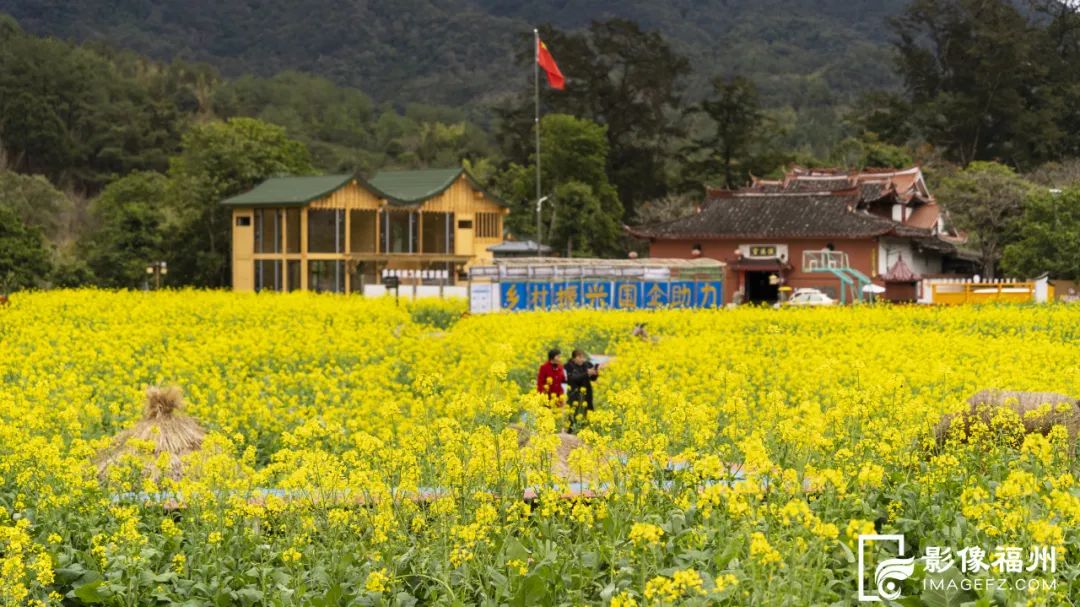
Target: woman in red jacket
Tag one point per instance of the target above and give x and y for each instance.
(551, 377)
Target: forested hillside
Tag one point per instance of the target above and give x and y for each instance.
(462, 51)
(123, 126)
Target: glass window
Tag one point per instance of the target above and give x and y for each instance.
(399, 232)
(267, 230)
(362, 225)
(326, 231)
(243, 220)
(267, 275)
(438, 233)
(292, 230)
(294, 274)
(326, 276)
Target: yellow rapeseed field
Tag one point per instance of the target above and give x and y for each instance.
(360, 453)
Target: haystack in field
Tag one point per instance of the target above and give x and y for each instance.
(165, 426)
(983, 405)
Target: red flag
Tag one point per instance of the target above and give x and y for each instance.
(547, 63)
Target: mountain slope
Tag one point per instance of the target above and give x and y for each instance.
(816, 52)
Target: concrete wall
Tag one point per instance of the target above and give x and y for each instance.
(891, 249)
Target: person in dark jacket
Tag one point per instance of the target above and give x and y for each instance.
(551, 377)
(580, 374)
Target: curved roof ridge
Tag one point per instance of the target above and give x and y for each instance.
(412, 186)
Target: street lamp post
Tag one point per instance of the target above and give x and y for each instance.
(158, 269)
(539, 239)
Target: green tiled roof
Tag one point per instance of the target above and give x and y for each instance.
(412, 187)
(286, 191)
(397, 187)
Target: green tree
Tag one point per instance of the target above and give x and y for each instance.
(986, 200)
(583, 213)
(979, 81)
(1049, 236)
(79, 116)
(334, 122)
(36, 203)
(858, 153)
(130, 215)
(735, 122)
(667, 208)
(622, 77)
(25, 258)
(218, 160)
(888, 115)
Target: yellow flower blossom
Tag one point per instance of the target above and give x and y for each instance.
(357, 426)
(378, 581)
(762, 551)
(645, 534)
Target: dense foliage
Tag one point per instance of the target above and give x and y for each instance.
(358, 455)
(460, 51)
(84, 115)
(987, 80)
(685, 95)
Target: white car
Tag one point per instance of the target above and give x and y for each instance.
(810, 297)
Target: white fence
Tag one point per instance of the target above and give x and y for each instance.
(418, 291)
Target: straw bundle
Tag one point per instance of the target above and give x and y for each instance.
(983, 405)
(164, 425)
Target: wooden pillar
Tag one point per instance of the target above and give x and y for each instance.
(346, 247)
(282, 251)
(304, 249)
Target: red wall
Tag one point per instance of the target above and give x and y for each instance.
(861, 254)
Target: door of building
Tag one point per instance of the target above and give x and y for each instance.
(758, 289)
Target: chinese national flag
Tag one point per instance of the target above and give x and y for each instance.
(547, 63)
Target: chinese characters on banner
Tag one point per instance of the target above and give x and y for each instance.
(615, 295)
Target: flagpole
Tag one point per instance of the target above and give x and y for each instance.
(536, 119)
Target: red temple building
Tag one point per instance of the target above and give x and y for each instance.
(886, 222)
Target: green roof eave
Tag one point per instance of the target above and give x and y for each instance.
(413, 188)
(410, 188)
(398, 188)
(289, 191)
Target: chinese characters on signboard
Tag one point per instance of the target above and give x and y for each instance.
(615, 295)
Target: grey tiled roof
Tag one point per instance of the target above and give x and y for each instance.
(805, 215)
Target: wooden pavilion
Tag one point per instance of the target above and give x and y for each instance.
(335, 233)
